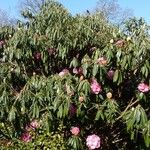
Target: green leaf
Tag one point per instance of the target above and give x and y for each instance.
(74, 62)
(95, 70)
(12, 114)
(98, 115)
(119, 77)
(116, 74)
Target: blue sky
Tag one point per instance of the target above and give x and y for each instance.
(141, 8)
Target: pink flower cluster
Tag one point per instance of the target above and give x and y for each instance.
(142, 87)
(93, 141)
(102, 61)
(26, 137)
(33, 125)
(77, 70)
(37, 55)
(63, 72)
(2, 43)
(120, 43)
(75, 130)
(95, 87)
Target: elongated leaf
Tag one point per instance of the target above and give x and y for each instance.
(115, 77)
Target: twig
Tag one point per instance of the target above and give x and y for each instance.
(130, 105)
(18, 96)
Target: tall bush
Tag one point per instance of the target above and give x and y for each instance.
(79, 72)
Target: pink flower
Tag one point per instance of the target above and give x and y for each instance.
(110, 74)
(120, 43)
(37, 55)
(142, 87)
(72, 110)
(93, 141)
(77, 70)
(34, 124)
(75, 130)
(95, 87)
(102, 61)
(63, 72)
(51, 51)
(2, 43)
(26, 137)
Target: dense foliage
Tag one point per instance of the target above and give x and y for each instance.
(74, 82)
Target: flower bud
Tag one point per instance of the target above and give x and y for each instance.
(109, 95)
(81, 99)
(111, 41)
(81, 78)
(34, 73)
(128, 38)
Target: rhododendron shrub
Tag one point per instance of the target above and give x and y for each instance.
(80, 72)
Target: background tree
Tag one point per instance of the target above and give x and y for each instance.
(113, 11)
(109, 8)
(31, 5)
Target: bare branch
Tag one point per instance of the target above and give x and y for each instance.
(112, 11)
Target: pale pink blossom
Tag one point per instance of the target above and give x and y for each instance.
(2, 43)
(77, 70)
(120, 43)
(102, 61)
(63, 72)
(142, 87)
(93, 141)
(75, 130)
(26, 137)
(110, 74)
(34, 124)
(95, 87)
